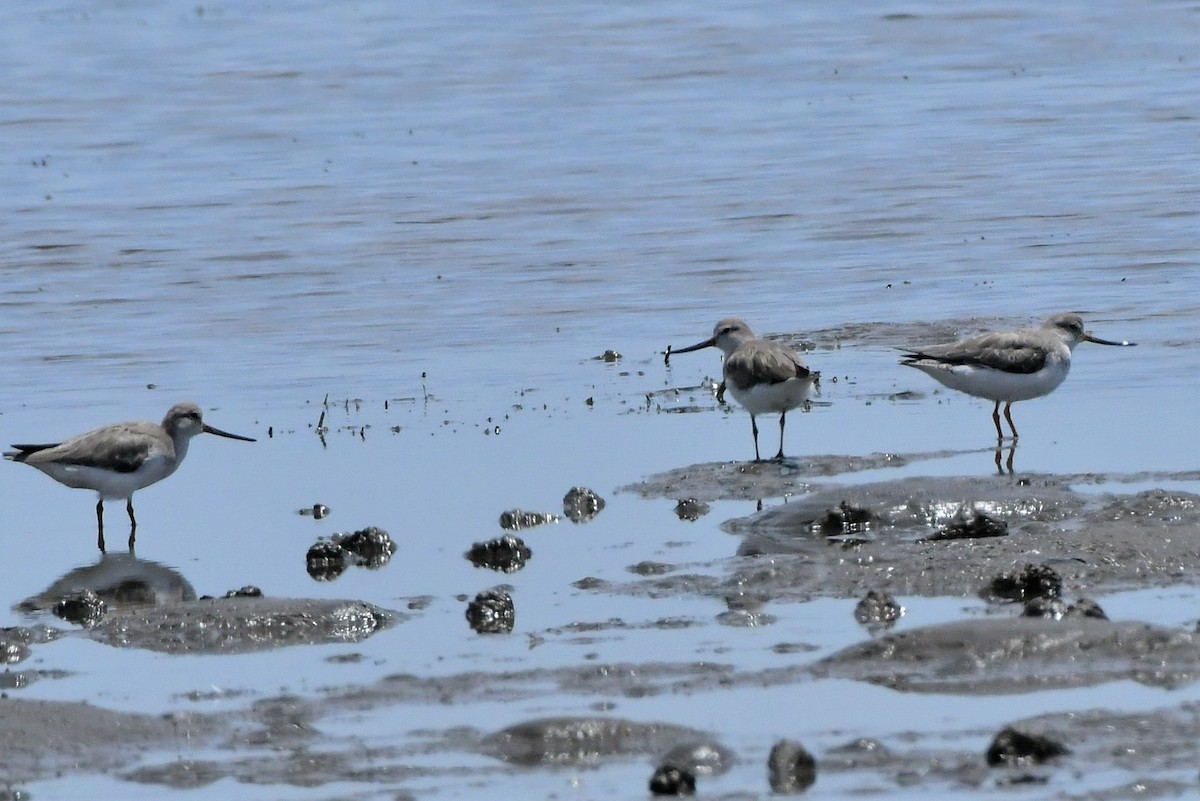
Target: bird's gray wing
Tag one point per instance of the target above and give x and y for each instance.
(1000, 351)
(762, 362)
(122, 448)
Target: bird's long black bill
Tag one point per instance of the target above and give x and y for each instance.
(708, 343)
(210, 430)
(1098, 341)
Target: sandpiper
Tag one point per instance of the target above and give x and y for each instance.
(120, 459)
(763, 376)
(1007, 366)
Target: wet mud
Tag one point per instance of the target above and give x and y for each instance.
(916, 537)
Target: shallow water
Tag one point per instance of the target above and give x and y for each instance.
(436, 217)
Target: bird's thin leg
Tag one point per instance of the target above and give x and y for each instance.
(132, 521)
(1008, 417)
(754, 428)
(996, 420)
(100, 525)
(782, 420)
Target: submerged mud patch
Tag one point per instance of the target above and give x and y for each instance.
(241, 624)
(983, 657)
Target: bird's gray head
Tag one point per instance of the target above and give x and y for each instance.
(730, 333)
(1070, 327)
(184, 421)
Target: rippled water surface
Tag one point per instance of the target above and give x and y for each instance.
(435, 216)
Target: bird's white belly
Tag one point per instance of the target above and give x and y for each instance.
(997, 385)
(772, 398)
(110, 484)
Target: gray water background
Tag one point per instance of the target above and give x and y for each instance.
(452, 208)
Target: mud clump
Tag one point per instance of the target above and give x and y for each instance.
(980, 526)
(1019, 749)
(1031, 581)
(845, 520)
(672, 780)
(878, 611)
(690, 510)
(371, 547)
(84, 608)
(790, 768)
(492, 612)
(581, 504)
(517, 519)
(325, 561)
(506, 554)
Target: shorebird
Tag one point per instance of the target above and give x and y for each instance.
(120, 459)
(763, 376)
(1007, 366)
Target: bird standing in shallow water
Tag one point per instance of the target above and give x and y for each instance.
(1007, 366)
(763, 376)
(120, 459)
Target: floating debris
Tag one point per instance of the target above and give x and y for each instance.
(318, 511)
(790, 768)
(581, 504)
(492, 612)
(84, 608)
(517, 519)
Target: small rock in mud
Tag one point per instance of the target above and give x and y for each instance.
(318, 511)
(650, 568)
(701, 758)
(506, 554)
(583, 740)
(1031, 581)
(84, 608)
(371, 547)
(858, 753)
(581, 504)
(690, 509)
(878, 611)
(670, 780)
(517, 519)
(978, 527)
(790, 768)
(12, 652)
(326, 561)
(492, 612)
(1057, 609)
(1048, 608)
(1086, 607)
(844, 519)
(249, 591)
(1016, 748)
